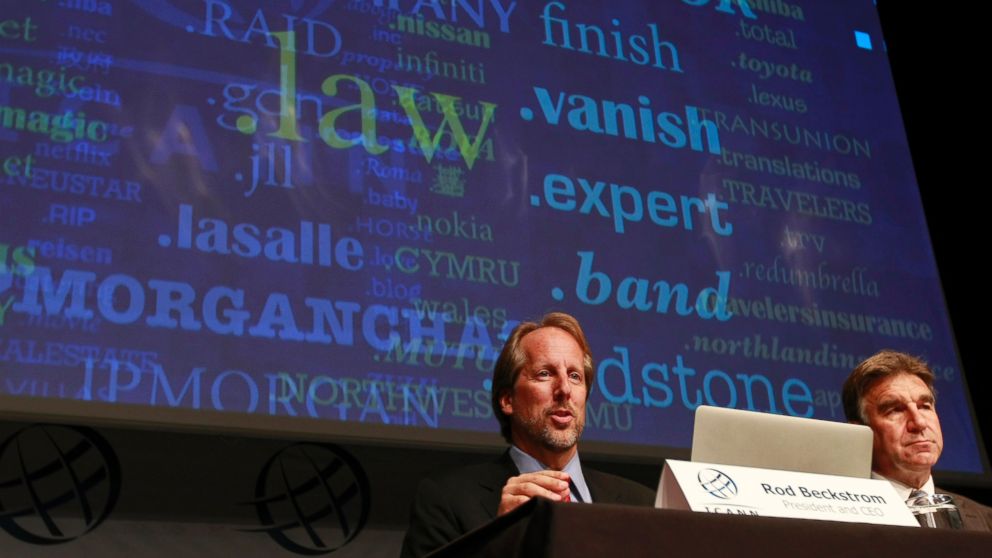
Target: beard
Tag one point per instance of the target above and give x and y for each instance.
(539, 429)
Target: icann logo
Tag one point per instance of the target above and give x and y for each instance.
(717, 483)
(57, 483)
(311, 498)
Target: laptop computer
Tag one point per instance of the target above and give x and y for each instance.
(753, 439)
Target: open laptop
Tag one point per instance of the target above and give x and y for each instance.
(752, 439)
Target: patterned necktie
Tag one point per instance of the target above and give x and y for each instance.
(575, 491)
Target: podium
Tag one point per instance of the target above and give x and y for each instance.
(541, 528)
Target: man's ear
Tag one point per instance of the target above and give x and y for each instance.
(506, 403)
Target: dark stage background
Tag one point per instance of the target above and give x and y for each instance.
(933, 53)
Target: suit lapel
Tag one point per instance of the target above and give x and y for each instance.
(599, 490)
(492, 483)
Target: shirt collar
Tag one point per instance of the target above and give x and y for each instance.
(904, 490)
(527, 464)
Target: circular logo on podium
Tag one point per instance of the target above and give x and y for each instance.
(312, 498)
(57, 483)
(717, 483)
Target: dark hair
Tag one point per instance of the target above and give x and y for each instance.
(512, 359)
(883, 364)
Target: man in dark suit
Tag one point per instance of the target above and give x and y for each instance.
(540, 386)
(892, 393)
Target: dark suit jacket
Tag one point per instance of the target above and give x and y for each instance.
(451, 504)
(974, 516)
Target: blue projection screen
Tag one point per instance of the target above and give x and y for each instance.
(328, 215)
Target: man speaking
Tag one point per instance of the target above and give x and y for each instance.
(892, 393)
(540, 386)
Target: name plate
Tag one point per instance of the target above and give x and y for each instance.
(728, 489)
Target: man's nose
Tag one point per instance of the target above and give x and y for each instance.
(917, 420)
(563, 387)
